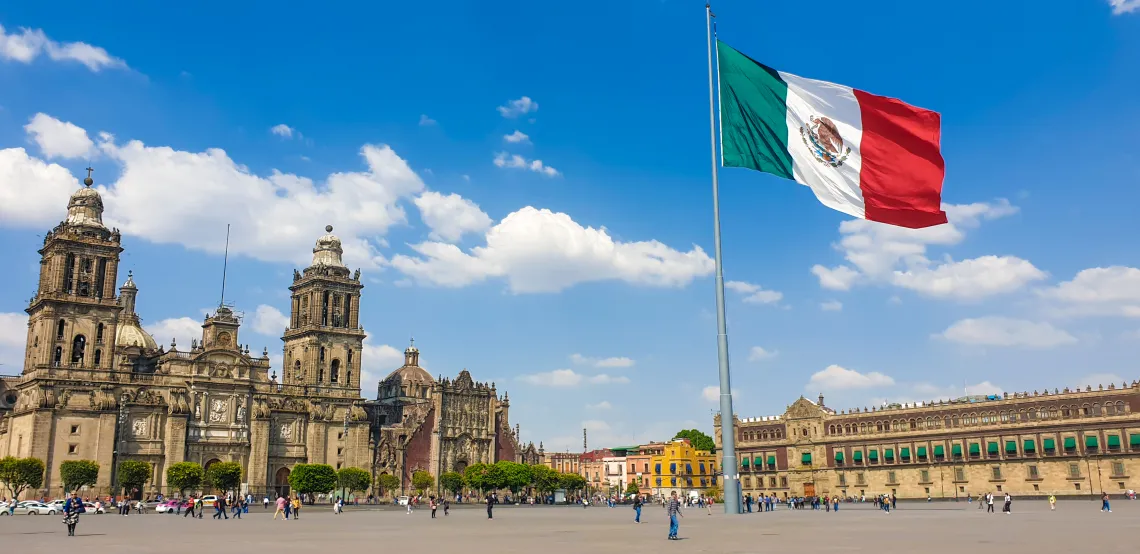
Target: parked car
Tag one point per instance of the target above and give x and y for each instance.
(169, 507)
(34, 508)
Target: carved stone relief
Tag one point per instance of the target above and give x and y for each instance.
(218, 410)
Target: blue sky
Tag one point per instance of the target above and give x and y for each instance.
(572, 266)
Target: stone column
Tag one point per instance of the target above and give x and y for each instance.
(258, 470)
(174, 447)
(316, 447)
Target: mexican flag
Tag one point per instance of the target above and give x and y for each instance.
(868, 156)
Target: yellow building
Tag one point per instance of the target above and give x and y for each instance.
(682, 469)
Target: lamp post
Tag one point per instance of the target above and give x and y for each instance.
(119, 432)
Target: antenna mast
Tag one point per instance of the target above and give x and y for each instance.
(225, 265)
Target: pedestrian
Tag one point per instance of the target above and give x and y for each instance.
(709, 505)
(288, 507)
(239, 507)
(433, 506)
(296, 507)
(490, 506)
(637, 509)
(446, 506)
(673, 510)
(189, 508)
(1104, 505)
(200, 506)
(1052, 503)
(989, 503)
(409, 512)
(265, 503)
(1008, 504)
(71, 510)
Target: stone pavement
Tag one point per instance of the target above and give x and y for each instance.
(928, 528)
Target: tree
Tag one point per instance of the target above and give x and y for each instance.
(451, 481)
(633, 488)
(312, 478)
(515, 475)
(224, 476)
(20, 474)
(571, 481)
(716, 492)
(353, 479)
(133, 474)
(388, 483)
(698, 439)
(422, 481)
(476, 477)
(185, 475)
(76, 474)
(545, 479)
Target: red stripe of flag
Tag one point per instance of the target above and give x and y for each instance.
(902, 169)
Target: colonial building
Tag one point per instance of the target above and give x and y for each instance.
(441, 425)
(680, 468)
(96, 386)
(1065, 442)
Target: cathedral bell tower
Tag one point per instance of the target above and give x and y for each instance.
(73, 317)
(324, 338)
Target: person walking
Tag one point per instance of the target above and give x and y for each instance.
(296, 508)
(1008, 508)
(1052, 503)
(446, 506)
(280, 508)
(1104, 505)
(432, 504)
(490, 506)
(239, 507)
(673, 510)
(201, 507)
(637, 509)
(989, 503)
(189, 508)
(71, 510)
(288, 507)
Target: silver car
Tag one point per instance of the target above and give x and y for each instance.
(33, 508)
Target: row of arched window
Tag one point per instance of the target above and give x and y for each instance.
(1063, 411)
(77, 355)
(334, 369)
(763, 435)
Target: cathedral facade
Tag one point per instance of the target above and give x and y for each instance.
(96, 386)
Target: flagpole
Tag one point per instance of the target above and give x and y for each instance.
(730, 478)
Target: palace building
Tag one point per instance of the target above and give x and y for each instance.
(1062, 442)
(96, 386)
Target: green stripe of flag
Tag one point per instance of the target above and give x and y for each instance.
(753, 114)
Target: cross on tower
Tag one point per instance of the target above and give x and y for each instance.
(413, 341)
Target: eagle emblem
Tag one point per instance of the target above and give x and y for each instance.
(821, 136)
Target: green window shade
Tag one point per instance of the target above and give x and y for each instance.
(905, 454)
(956, 450)
(1029, 446)
(806, 458)
(975, 449)
(859, 454)
(744, 462)
(1070, 443)
(874, 454)
(839, 456)
(1134, 440)
(889, 454)
(922, 452)
(1114, 441)
(992, 448)
(1050, 444)
(1090, 442)
(758, 461)
(1011, 446)
(771, 461)
(938, 451)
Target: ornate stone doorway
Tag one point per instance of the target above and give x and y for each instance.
(281, 482)
(461, 466)
(809, 489)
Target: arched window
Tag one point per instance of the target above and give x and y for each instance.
(59, 330)
(320, 374)
(78, 346)
(347, 376)
(58, 357)
(322, 359)
(98, 357)
(99, 334)
(297, 369)
(349, 362)
(1109, 408)
(1120, 407)
(334, 371)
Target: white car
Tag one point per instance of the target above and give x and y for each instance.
(34, 508)
(403, 500)
(92, 509)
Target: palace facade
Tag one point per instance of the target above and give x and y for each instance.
(1061, 442)
(96, 386)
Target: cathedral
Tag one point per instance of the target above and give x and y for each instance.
(96, 386)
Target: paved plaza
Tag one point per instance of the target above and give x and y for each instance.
(929, 528)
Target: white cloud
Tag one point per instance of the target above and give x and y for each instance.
(13, 339)
(376, 362)
(1120, 7)
(269, 321)
(602, 362)
(515, 108)
(543, 251)
(515, 161)
(451, 216)
(879, 253)
(426, 121)
(831, 306)
(754, 294)
(57, 138)
(570, 378)
(33, 193)
(757, 353)
(517, 137)
(1109, 291)
(924, 392)
(181, 329)
(595, 425)
(603, 405)
(835, 377)
(29, 44)
(1004, 331)
(282, 130)
(711, 394)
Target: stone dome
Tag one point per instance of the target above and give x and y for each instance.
(410, 374)
(328, 250)
(85, 208)
(130, 334)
